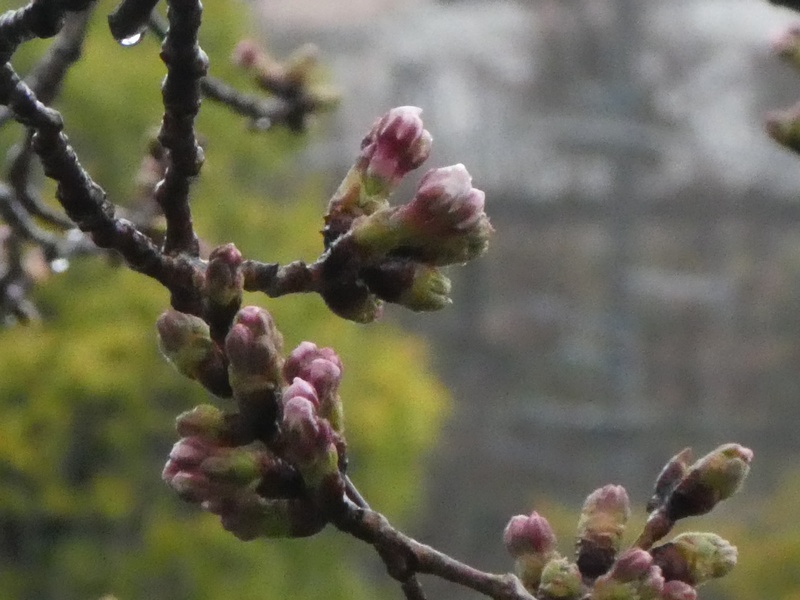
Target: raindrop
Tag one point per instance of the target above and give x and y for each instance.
(132, 40)
(59, 265)
(74, 235)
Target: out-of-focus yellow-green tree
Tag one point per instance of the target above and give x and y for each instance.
(87, 404)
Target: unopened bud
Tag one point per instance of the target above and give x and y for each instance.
(600, 528)
(443, 224)
(561, 580)
(205, 421)
(678, 590)
(412, 284)
(713, 478)
(224, 280)
(253, 347)
(695, 558)
(631, 565)
(396, 144)
(185, 340)
(529, 535)
(310, 443)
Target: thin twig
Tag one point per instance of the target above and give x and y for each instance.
(404, 556)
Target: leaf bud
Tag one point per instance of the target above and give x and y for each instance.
(695, 558)
(713, 478)
(204, 421)
(185, 340)
(561, 580)
(417, 286)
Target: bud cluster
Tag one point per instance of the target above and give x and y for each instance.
(601, 570)
(264, 468)
(294, 80)
(378, 252)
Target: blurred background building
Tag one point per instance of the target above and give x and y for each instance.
(642, 291)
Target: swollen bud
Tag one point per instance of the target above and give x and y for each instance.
(531, 541)
(678, 590)
(185, 340)
(320, 368)
(223, 279)
(695, 558)
(602, 523)
(787, 46)
(253, 347)
(713, 478)
(561, 580)
(409, 283)
(443, 224)
(204, 421)
(396, 144)
(310, 442)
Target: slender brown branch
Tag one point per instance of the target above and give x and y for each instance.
(404, 556)
(186, 65)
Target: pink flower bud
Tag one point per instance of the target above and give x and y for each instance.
(631, 565)
(302, 389)
(310, 443)
(253, 347)
(678, 590)
(396, 144)
(297, 363)
(224, 280)
(529, 535)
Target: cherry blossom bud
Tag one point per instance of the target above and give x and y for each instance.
(412, 284)
(695, 558)
(631, 565)
(397, 144)
(253, 347)
(443, 224)
(672, 473)
(529, 535)
(600, 529)
(297, 362)
(561, 580)
(246, 53)
(322, 369)
(301, 388)
(224, 280)
(713, 478)
(185, 340)
(310, 443)
(678, 590)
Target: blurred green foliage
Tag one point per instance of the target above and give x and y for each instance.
(88, 404)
